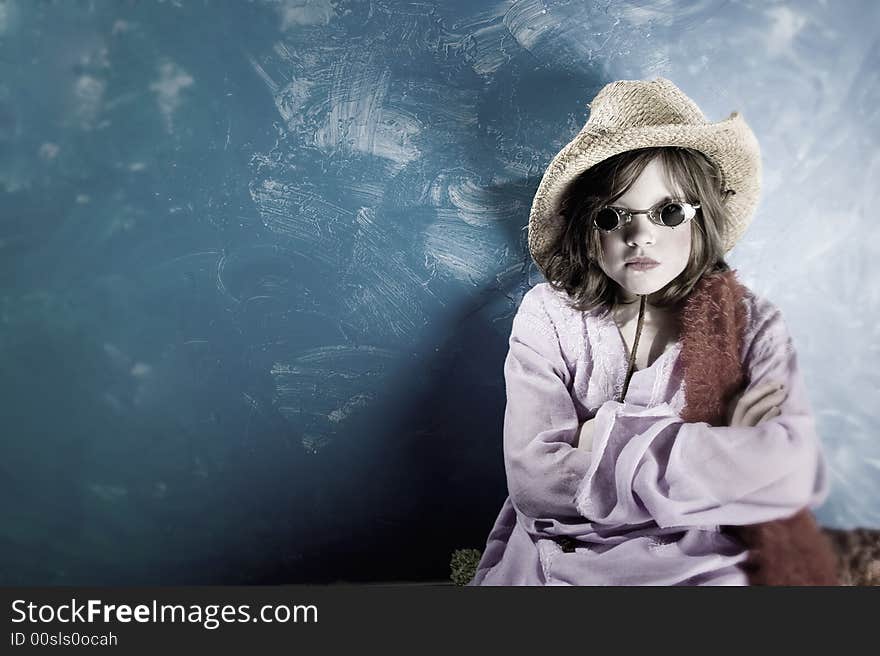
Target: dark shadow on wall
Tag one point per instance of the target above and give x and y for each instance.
(433, 479)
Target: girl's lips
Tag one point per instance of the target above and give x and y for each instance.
(642, 266)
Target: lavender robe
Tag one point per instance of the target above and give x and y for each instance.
(645, 506)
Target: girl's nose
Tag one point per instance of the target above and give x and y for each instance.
(640, 230)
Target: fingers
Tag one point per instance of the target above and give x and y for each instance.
(757, 393)
(752, 405)
(754, 413)
(772, 412)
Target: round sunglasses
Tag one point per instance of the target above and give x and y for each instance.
(669, 213)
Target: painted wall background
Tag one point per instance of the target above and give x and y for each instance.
(259, 261)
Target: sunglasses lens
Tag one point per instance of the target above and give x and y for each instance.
(606, 219)
(672, 214)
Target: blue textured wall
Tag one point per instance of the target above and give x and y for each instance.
(259, 262)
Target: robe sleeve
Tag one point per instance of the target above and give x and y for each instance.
(543, 467)
(647, 463)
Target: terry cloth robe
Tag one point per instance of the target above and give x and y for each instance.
(646, 506)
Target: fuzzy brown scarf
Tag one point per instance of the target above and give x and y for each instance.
(790, 551)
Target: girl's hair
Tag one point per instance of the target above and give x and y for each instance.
(573, 260)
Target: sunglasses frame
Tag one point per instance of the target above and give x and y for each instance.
(624, 215)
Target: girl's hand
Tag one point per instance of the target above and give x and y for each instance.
(756, 405)
(585, 435)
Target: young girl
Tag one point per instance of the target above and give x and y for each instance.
(654, 404)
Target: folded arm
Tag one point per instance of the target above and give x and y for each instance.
(647, 463)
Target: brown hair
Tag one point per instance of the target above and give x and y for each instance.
(573, 260)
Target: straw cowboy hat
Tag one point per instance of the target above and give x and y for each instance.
(630, 114)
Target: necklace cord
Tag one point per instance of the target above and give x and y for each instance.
(632, 356)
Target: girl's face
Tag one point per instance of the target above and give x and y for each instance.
(670, 247)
